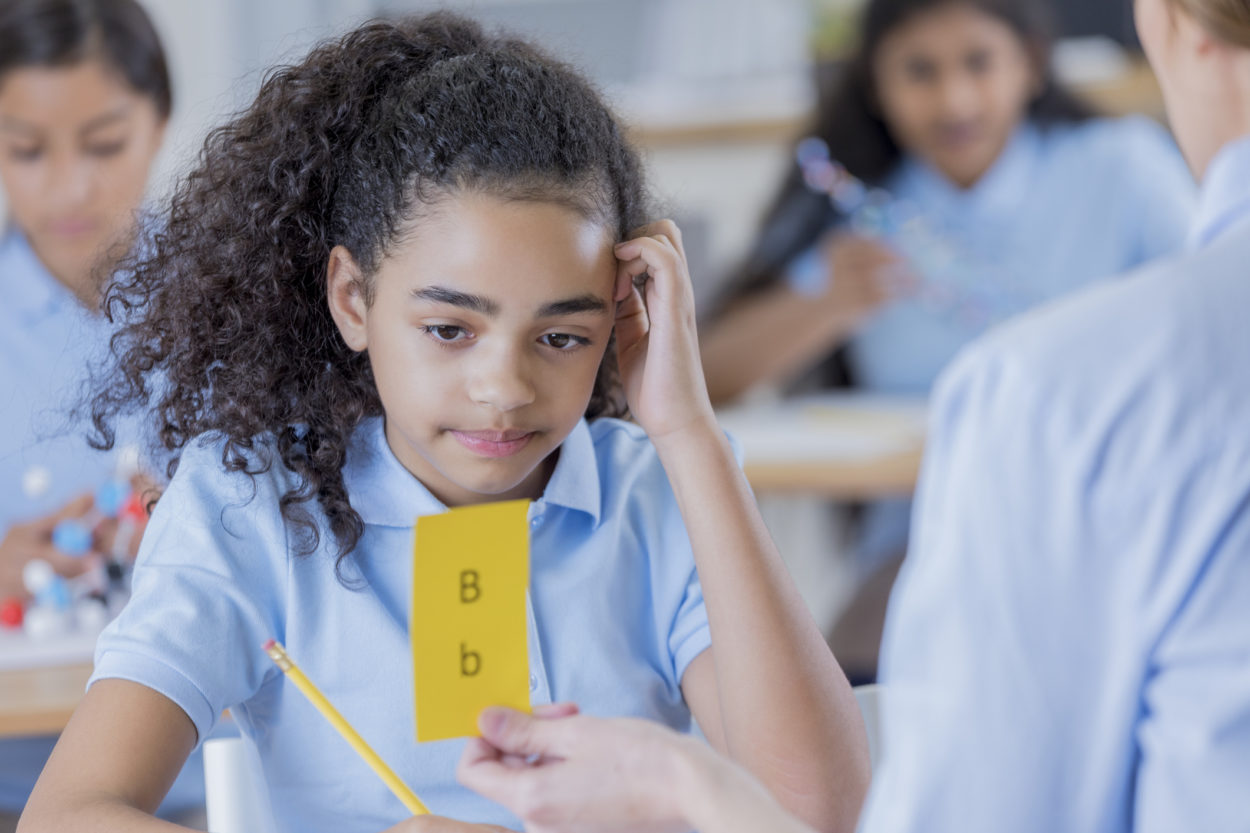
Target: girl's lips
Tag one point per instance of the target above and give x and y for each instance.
(72, 227)
(493, 443)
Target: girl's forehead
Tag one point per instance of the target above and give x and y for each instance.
(507, 248)
(942, 22)
(73, 97)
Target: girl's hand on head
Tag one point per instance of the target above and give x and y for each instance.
(26, 541)
(583, 774)
(866, 275)
(656, 342)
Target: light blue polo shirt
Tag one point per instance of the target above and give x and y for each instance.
(615, 616)
(47, 339)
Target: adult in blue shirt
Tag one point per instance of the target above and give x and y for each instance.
(84, 99)
(1068, 647)
(1007, 192)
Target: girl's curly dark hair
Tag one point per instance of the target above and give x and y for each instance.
(224, 327)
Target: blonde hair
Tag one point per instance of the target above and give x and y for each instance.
(1226, 19)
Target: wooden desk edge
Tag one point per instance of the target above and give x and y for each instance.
(894, 475)
(39, 701)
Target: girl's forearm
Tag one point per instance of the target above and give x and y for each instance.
(93, 817)
(788, 713)
(743, 349)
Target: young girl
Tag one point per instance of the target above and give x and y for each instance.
(1007, 193)
(393, 286)
(84, 100)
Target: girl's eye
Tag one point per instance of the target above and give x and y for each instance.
(25, 154)
(105, 149)
(920, 71)
(446, 333)
(978, 62)
(563, 341)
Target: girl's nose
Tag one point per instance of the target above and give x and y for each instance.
(69, 182)
(501, 381)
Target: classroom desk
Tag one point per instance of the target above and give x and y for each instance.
(840, 446)
(891, 475)
(39, 701)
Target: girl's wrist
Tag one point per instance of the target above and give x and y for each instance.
(698, 433)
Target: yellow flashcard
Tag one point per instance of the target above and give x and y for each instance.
(468, 628)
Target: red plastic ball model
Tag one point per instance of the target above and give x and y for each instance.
(11, 612)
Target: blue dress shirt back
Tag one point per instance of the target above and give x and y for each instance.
(1068, 645)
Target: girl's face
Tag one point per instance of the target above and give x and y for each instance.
(953, 83)
(485, 333)
(76, 145)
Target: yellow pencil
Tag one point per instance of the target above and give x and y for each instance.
(278, 655)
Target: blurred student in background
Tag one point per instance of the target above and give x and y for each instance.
(84, 100)
(1006, 192)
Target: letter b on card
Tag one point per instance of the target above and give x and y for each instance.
(468, 628)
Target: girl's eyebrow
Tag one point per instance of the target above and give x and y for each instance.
(103, 120)
(13, 125)
(572, 306)
(443, 295)
(477, 303)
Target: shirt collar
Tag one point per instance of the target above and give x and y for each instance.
(29, 287)
(575, 482)
(1225, 195)
(1000, 189)
(387, 494)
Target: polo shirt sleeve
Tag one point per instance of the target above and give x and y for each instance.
(689, 635)
(208, 590)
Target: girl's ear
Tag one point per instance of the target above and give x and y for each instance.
(346, 297)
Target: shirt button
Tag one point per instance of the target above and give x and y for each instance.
(536, 520)
(533, 682)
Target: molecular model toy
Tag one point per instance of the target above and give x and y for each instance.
(58, 606)
(974, 289)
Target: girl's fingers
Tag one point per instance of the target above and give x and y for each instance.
(656, 250)
(632, 321)
(666, 229)
(662, 263)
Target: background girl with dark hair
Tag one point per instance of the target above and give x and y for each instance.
(1020, 194)
(84, 100)
(411, 276)
(951, 106)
